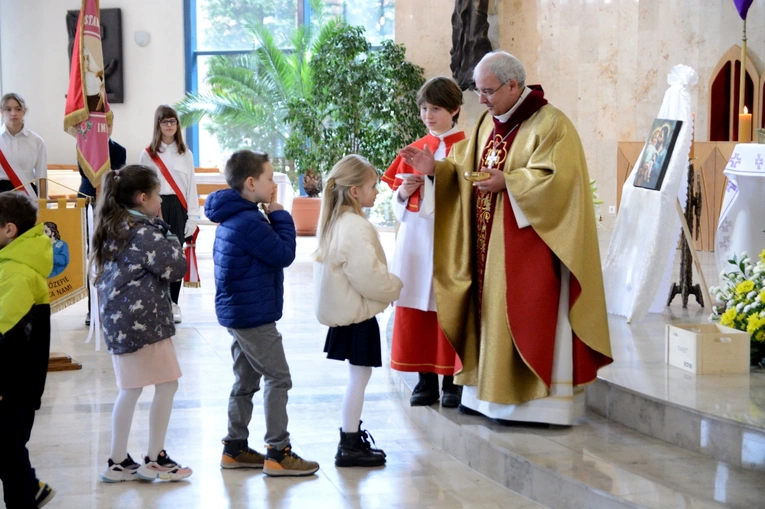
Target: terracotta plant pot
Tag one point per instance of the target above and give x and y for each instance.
(305, 212)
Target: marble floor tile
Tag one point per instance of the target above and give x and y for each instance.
(71, 438)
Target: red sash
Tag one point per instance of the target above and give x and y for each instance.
(191, 278)
(399, 166)
(15, 180)
(170, 180)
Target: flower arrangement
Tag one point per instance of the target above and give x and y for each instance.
(741, 297)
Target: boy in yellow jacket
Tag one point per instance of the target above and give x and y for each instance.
(26, 259)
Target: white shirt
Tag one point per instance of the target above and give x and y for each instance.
(26, 151)
(413, 257)
(181, 167)
(352, 283)
(506, 116)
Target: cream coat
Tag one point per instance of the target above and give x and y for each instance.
(352, 283)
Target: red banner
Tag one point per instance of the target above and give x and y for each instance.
(87, 110)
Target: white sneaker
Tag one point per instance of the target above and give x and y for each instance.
(177, 316)
(118, 472)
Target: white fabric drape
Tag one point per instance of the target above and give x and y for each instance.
(740, 225)
(639, 263)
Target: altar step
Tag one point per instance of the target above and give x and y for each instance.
(596, 464)
(717, 434)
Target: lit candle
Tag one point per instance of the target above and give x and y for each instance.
(745, 126)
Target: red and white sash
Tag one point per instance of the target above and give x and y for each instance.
(13, 172)
(192, 270)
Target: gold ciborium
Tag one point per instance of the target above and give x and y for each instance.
(476, 176)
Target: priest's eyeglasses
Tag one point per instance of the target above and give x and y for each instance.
(168, 122)
(487, 93)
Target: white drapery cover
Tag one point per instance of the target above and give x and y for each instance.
(740, 225)
(640, 258)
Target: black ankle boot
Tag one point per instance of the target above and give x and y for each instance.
(355, 451)
(425, 393)
(366, 436)
(452, 394)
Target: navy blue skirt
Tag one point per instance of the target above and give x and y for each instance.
(358, 343)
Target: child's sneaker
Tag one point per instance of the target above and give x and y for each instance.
(118, 472)
(164, 469)
(237, 454)
(287, 463)
(44, 494)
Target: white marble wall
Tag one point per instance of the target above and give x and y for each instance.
(603, 62)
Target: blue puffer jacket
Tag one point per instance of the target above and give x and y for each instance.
(250, 253)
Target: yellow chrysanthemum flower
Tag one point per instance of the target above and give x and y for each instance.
(762, 256)
(744, 287)
(728, 317)
(760, 336)
(754, 322)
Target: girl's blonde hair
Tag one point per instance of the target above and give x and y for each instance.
(351, 171)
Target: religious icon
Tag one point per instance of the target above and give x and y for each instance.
(657, 153)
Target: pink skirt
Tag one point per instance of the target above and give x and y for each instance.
(151, 365)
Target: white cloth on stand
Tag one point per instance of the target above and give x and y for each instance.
(638, 267)
(740, 226)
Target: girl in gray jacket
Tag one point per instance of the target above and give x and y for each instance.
(135, 259)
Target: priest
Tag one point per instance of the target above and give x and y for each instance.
(517, 274)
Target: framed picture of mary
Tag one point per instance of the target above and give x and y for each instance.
(656, 153)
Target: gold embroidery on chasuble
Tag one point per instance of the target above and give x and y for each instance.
(501, 374)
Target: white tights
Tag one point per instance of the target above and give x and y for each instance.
(159, 418)
(358, 378)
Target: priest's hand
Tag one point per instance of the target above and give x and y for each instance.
(495, 183)
(421, 160)
(409, 187)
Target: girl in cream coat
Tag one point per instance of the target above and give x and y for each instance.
(352, 285)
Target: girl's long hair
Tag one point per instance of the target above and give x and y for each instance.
(164, 111)
(351, 171)
(119, 192)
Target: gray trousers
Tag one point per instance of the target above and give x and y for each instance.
(258, 353)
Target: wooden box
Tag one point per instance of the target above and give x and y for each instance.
(707, 349)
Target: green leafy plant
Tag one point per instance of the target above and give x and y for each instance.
(362, 102)
(248, 95)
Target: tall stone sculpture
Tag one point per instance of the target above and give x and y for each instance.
(470, 39)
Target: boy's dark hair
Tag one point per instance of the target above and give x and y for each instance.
(242, 165)
(19, 209)
(442, 92)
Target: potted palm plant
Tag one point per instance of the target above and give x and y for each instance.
(249, 93)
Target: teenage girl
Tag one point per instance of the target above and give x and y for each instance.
(136, 258)
(352, 285)
(173, 162)
(418, 343)
(23, 150)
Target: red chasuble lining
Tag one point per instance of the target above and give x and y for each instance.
(399, 166)
(532, 295)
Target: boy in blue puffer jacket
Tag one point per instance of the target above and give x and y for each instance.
(250, 253)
